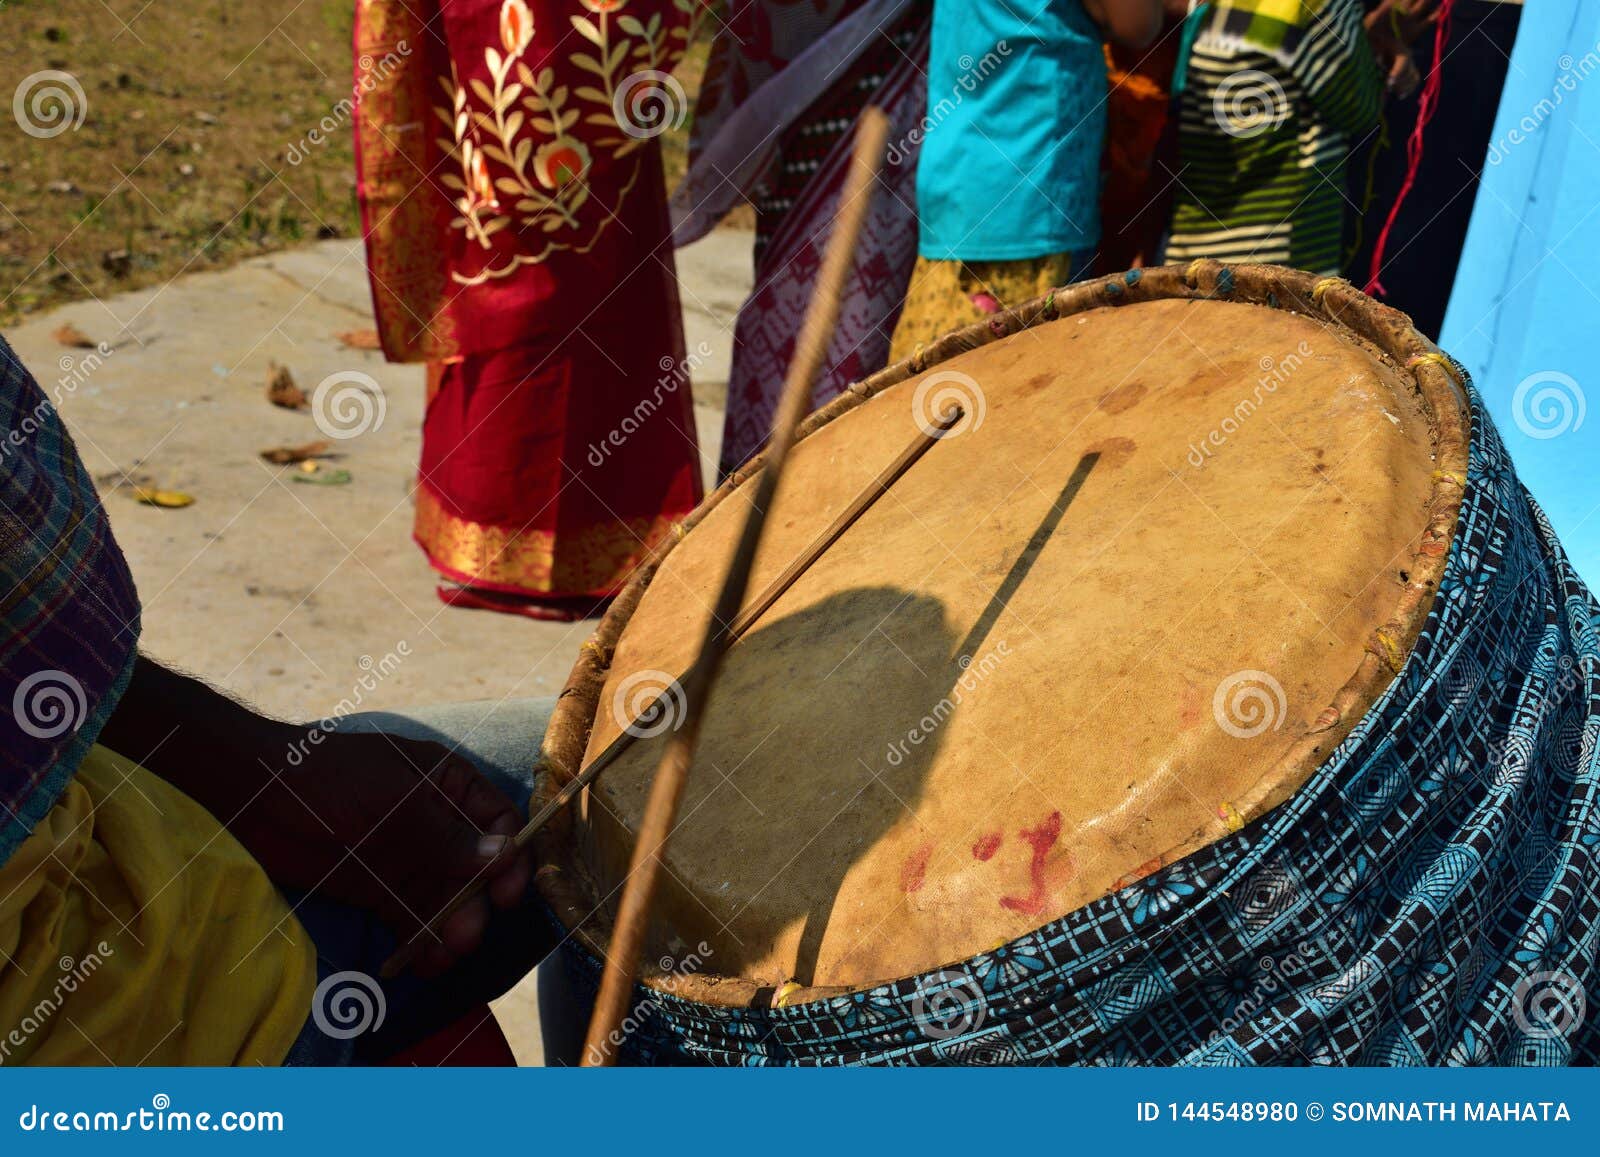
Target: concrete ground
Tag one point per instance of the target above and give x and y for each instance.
(284, 593)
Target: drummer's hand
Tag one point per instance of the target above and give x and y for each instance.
(396, 826)
(393, 825)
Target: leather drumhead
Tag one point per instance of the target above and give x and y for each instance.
(1081, 637)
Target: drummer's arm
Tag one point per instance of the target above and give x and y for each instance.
(1126, 23)
(387, 823)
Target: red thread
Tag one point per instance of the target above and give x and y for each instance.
(1427, 105)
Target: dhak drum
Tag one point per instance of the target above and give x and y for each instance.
(1186, 532)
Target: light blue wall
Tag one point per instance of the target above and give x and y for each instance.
(1524, 314)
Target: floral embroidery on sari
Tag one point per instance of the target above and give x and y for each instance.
(527, 138)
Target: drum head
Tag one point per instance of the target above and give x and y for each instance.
(1140, 592)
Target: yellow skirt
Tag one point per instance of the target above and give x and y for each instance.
(946, 295)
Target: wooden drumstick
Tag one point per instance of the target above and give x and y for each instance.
(666, 791)
(859, 505)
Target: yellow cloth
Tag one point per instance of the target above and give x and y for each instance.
(946, 295)
(135, 930)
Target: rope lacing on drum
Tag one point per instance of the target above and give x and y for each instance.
(1435, 358)
(1389, 649)
(1320, 289)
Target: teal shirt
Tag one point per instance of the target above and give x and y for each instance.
(1012, 136)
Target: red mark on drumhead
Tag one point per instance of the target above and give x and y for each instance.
(986, 846)
(915, 868)
(1124, 397)
(1041, 839)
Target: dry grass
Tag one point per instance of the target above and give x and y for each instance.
(190, 110)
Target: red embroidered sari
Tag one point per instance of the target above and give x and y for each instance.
(518, 239)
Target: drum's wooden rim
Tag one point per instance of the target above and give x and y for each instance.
(1384, 331)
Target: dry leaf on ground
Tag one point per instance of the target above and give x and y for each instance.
(359, 339)
(72, 337)
(169, 499)
(286, 455)
(281, 390)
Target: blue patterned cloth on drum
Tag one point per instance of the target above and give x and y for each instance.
(1430, 896)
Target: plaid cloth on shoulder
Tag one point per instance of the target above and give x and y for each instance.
(69, 610)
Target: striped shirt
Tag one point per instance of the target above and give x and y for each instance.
(1263, 138)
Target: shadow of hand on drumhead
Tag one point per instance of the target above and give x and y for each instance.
(803, 834)
(816, 746)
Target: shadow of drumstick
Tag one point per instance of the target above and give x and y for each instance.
(810, 947)
(1030, 552)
